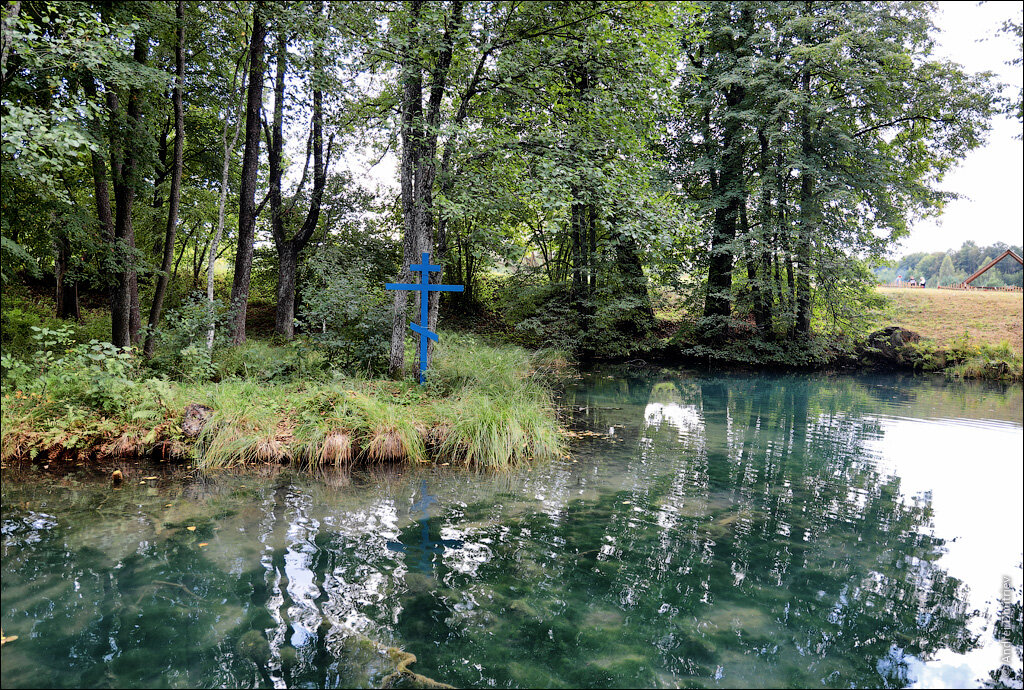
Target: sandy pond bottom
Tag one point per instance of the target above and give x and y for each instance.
(707, 531)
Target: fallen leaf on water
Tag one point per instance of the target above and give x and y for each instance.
(191, 528)
(4, 639)
(151, 478)
(167, 506)
(204, 543)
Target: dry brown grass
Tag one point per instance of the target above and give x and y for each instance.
(336, 447)
(267, 450)
(386, 444)
(124, 445)
(989, 317)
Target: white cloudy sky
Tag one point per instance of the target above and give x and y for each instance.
(989, 178)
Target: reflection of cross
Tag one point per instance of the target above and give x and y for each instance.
(424, 288)
(427, 546)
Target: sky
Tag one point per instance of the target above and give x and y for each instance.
(991, 178)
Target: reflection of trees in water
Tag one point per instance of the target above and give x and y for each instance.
(767, 545)
(841, 566)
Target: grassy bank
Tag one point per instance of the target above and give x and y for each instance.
(964, 334)
(483, 407)
(944, 316)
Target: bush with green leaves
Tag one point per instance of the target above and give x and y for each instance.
(182, 338)
(95, 374)
(346, 314)
(256, 360)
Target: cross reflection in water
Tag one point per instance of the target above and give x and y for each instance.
(424, 550)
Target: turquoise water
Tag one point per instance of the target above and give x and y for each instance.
(705, 531)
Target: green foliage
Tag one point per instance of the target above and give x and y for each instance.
(581, 150)
(94, 375)
(485, 406)
(756, 351)
(16, 323)
(993, 362)
(541, 315)
(345, 313)
(182, 339)
(257, 360)
(19, 313)
(946, 271)
(14, 258)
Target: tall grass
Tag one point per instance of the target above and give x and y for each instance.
(497, 432)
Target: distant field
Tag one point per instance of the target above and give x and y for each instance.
(988, 317)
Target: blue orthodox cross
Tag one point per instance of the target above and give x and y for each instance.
(424, 288)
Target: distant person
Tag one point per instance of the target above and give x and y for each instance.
(922, 281)
(899, 280)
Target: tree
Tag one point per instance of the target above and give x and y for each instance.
(853, 124)
(946, 270)
(177, 164)
(247, 209)
(289, 244)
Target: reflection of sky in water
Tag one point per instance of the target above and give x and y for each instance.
(972, 473)
(685, 418)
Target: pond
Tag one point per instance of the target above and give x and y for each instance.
(705, 531)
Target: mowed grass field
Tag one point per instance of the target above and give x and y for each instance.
(942, 315)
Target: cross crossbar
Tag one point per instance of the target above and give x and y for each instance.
(424, 287)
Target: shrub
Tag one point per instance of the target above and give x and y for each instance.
(344, 313)
(182, 339)
(258, 360)
(96, 375)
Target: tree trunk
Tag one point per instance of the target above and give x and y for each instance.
(420, 129)
(103, 213)
(126, 321)
(731, 192)
(221, 205)
(757, 247)
(592, 249)
(288, 259)
(412, 144)
(172, 211)
(67, 290)
(285, 252)
(13, 10)
(635, 285)
(803, 238)
(289, 248)
(250, 167)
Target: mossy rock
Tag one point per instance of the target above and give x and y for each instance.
(891, 347)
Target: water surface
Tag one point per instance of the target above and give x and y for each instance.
(705, 531)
